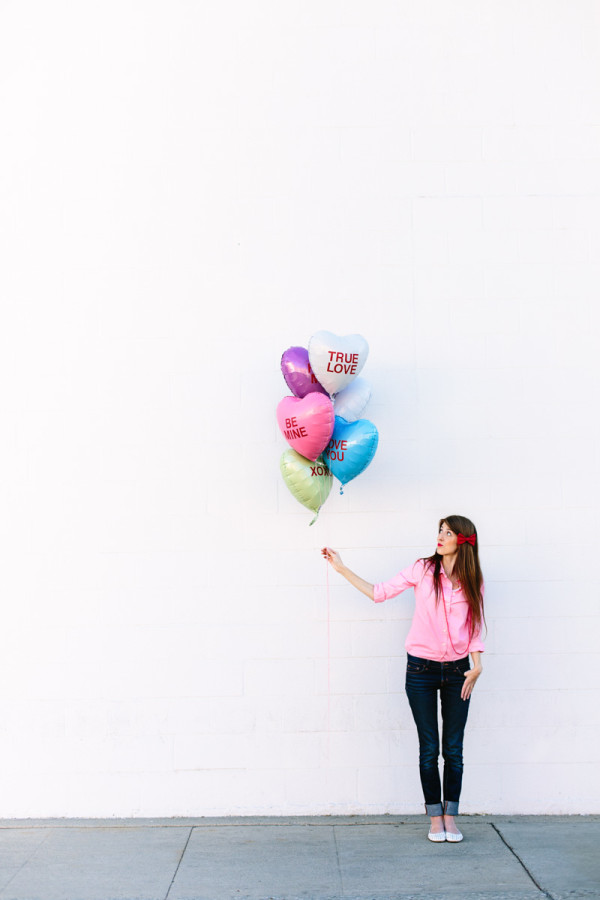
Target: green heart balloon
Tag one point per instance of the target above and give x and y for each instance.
(309, 482)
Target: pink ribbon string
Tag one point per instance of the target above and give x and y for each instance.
(328, 661)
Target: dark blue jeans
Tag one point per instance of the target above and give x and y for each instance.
(424, 678)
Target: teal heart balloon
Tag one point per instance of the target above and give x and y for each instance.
(351, 448)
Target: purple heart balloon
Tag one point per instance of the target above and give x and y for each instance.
(298, 374)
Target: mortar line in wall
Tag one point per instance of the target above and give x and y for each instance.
(179, 863)
(516, 855)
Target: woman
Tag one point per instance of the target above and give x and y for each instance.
(445, 629)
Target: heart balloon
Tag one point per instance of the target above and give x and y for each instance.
(350, 402)
(306, 423)
(298, 374)
(309, 482)
(336, 361)
(351, 448)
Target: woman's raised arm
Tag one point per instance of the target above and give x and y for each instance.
(355, 580)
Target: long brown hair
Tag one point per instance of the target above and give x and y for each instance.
(466, 569)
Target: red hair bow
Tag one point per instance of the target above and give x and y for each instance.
(461, 539)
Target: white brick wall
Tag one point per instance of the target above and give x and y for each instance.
(185, 191)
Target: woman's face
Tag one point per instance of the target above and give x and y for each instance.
(446, 541)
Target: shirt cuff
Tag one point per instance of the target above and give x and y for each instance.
(378, 593)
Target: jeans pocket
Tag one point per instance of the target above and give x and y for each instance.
(415, 668)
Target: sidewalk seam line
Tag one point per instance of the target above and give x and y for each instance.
(516, 855)
(337, 856)
(27, 861)
(179, 863)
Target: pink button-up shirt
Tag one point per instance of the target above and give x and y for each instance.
(438, 632)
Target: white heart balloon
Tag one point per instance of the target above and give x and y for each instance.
(335, 360)
(350, 403)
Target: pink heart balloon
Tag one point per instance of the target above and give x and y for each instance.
(306, 423)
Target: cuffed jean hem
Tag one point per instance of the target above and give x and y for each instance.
(450, 808)
(434, 809)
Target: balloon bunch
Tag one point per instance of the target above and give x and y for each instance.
(321, 422)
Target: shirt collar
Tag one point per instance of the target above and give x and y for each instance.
(443, 574)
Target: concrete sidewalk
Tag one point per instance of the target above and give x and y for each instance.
(321, 858)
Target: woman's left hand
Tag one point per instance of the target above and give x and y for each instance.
(470, 678)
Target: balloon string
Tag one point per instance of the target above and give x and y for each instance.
(328, 661)
(321, 485)
(322, 496)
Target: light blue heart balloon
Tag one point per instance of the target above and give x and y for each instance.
(351, 448)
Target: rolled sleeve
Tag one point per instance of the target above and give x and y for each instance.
(407, 578)
(476, 643)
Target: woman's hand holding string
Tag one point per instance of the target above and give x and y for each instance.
(333, 557)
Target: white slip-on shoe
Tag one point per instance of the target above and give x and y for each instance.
(437, 837)
(453, 838)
